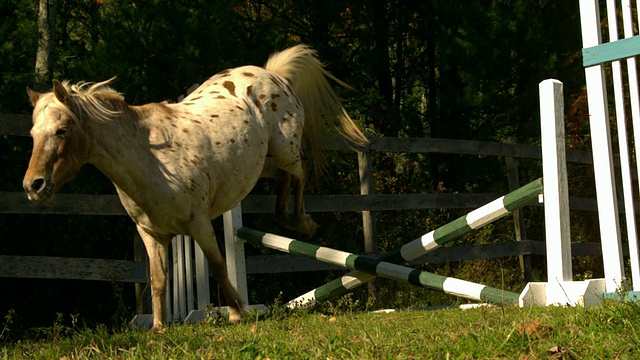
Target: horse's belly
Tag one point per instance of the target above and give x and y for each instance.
(236, 179)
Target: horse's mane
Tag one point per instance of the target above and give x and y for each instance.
(95, 101)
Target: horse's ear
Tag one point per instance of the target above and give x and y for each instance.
(33, 96)
(60, 92)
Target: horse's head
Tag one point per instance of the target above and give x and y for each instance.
(60, 146)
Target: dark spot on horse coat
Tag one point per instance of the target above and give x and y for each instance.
(247, 74)
(257, 102)
(214, 92)
(196, 98)
(213, 116)
(274, 106)
(223, 72)
(220, 97)
(274, 96)
(229, 85)
(239, 107)
(249, 90)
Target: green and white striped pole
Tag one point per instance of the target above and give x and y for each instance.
(376, 267)
(475, 219)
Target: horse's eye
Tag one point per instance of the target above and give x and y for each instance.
(61, 131)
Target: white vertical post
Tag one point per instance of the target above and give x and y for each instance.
(234, 251)
(556, 193)
(188, 272)
(176, 243)
(602, 153)
(634, 97)
(202, 278)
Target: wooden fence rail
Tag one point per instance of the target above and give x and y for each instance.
(132, 271)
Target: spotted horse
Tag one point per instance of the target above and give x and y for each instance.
(176, 166)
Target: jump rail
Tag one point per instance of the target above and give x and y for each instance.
(476, 219)
(384, 269)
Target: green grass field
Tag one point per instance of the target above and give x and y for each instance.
(608, 331)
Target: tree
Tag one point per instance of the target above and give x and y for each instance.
(46, 41)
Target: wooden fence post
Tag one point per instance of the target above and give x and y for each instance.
(518, 215)
(366, 188)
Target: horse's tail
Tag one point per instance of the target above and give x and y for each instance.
(308, 78)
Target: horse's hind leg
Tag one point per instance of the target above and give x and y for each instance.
(305, 223)
(283, 188)
(288, 174)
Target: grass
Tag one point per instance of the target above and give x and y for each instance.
(609, 331)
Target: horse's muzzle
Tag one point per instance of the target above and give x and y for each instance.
(39, 189)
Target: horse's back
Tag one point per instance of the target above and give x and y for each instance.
(229, 125)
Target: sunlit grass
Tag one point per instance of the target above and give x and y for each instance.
(606, 331)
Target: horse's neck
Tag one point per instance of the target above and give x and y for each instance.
(121, 150)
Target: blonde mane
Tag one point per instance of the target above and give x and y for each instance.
(95, 101)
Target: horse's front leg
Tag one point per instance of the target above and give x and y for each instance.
(157, 249)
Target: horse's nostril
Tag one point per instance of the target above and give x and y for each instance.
(37, 185)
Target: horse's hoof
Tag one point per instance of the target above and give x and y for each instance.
(158, 329)
(234, 316)
(307, 226)
(304, 225)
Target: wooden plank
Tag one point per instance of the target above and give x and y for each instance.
(376, 202)
(611, 51)
(19, 125)
(68, 204)
(284, 263)
(80, 204)
(475, 252)
(44, 267)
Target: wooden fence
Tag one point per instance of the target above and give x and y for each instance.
(367, 202)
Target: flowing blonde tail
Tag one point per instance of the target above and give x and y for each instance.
(308, 78)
